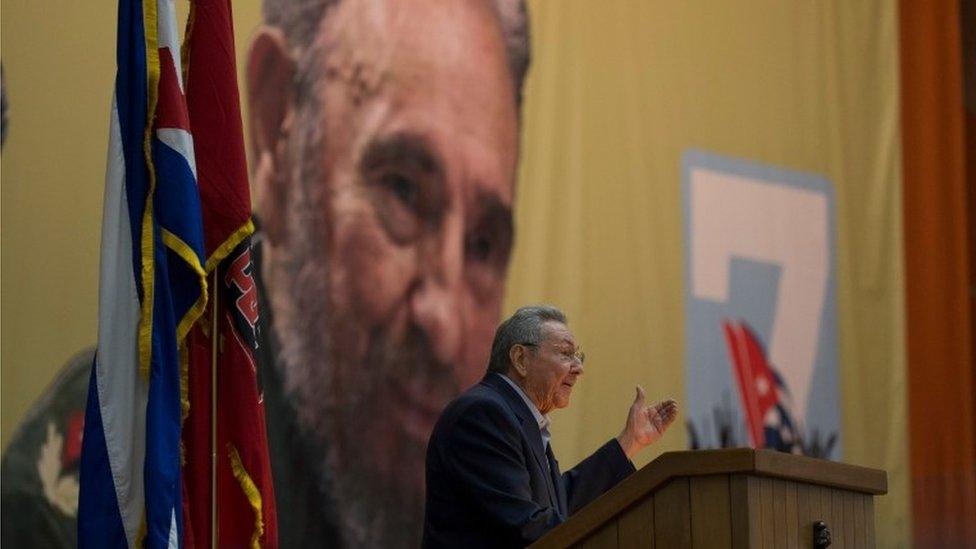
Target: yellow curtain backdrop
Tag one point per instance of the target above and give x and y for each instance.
(618, 90)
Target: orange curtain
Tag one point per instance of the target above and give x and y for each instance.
(942, 419)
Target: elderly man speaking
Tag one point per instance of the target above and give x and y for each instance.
(492, 479)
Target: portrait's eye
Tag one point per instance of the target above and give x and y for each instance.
(397, 200)
(403, 188)
(480, 247)
(404, 175)
(487, 247)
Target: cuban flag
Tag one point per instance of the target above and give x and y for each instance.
(152, 289)
(762, 392)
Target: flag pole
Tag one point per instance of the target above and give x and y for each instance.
(214, 343)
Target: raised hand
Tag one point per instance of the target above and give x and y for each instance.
(646, 423)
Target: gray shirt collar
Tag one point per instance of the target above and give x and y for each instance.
(542, 420)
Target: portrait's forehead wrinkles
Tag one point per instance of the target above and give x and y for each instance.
(362, 78)
(357, 54)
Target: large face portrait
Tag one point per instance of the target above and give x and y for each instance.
(384, 152)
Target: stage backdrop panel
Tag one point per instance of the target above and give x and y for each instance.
(760, 308)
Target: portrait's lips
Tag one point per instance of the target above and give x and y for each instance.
(418, 408)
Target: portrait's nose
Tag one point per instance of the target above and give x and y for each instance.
(436, 300)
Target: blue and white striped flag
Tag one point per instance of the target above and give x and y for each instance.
(152, 289)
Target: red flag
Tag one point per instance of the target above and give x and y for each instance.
(245, 493)
(758, 387)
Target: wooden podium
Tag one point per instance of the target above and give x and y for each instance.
(730, 498)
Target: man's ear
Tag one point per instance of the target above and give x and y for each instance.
(271, 106)
(517, 356)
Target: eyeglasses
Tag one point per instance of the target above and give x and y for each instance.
(577, 355)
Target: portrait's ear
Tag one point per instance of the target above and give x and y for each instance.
(270, 94)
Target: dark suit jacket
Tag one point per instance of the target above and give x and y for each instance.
(488, 477)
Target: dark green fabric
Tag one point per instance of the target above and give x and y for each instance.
(29, 517)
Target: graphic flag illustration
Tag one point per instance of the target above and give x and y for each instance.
(763, 395)
(760, 307)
